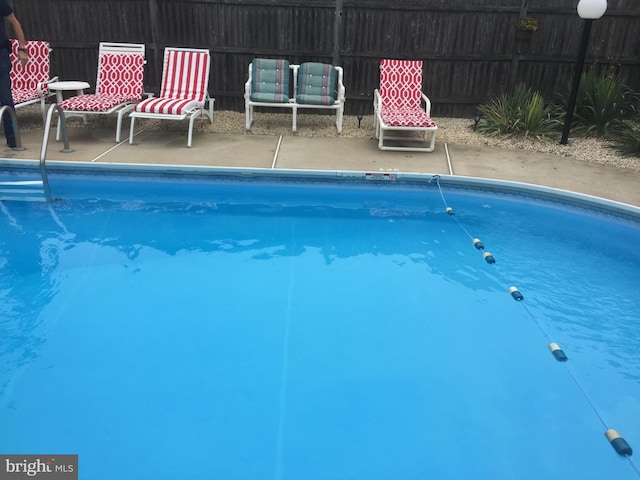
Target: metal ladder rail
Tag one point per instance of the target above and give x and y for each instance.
(45, 143)
(16, 132)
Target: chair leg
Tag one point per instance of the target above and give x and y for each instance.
(119, 126)
(339, 114)
(131, 129)
(248, 113)
(432, 144)
(190, 136)
(294, 127)
(121, 113)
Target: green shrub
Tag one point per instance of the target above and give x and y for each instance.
(626, 139)
(527, 24)
(602, 102)
(522, 112)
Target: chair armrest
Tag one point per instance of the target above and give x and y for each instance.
(210, 102)
(147, 95)
(427, 104)
(377, 100)
(247, 85)
(41, 85)
(295, 69)
(341, 89)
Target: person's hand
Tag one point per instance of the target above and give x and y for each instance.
(23, 57)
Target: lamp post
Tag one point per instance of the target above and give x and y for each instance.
(588, 10)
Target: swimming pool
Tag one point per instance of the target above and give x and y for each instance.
(243, 328)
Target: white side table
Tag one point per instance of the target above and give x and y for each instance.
(60, 87)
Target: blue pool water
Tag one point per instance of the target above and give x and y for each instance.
(187, 329)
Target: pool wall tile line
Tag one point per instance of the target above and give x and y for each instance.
(589, 202)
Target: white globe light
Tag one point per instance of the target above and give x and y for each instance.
(592, 9)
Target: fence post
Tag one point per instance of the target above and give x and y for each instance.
(155, 35)
(337, 33)
(515, 59)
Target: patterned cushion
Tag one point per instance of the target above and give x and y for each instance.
(25, 80)
(270, 80)
(401, 94)
(20, 96)
(415, 117)
(400, 83)
(94, 103)
(121, 74)
(317, 84)
(120, 81)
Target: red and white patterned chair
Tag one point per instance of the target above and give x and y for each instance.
(184, 91)
(400, 105)
(29, 83)
(119, 85)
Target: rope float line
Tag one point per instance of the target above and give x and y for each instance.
(616, 440)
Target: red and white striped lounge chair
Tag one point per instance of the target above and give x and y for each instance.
(400, 105)
(184, 91)
(119, 85)
(29, 83)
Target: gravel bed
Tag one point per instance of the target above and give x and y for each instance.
(450, 130)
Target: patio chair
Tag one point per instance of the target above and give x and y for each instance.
(29, 83)
(119, 84)
(320, 86)
(183, 93)
(400, 105)
(267, 86)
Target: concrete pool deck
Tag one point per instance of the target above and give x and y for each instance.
(247, 150)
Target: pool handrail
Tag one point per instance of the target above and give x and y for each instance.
(45, 143)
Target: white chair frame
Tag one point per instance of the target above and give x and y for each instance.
(205, 109)
(338, 105)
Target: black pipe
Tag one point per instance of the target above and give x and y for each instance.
(576, 81)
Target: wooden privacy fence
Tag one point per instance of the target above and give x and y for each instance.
(468, 46)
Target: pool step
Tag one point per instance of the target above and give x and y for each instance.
(24, 190)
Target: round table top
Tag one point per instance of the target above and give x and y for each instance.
(70, 85)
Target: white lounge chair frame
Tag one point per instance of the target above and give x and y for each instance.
(121, 108)
(429, 132)
(202, 108)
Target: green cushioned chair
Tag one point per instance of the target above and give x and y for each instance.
(268, 86)
(317, 84)
(270, 82)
